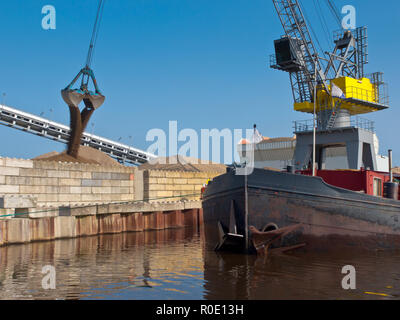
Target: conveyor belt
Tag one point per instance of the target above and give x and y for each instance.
(30, 123)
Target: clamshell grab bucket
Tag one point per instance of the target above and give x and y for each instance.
(94, 101)
(79, 119)
(72, 97)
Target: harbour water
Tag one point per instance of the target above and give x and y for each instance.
(175, 264)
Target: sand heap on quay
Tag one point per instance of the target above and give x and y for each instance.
(85, 155)
(185, 164)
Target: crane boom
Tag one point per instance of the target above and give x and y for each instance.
(296, 29)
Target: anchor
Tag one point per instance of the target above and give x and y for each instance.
(262, 241)
(230, 239)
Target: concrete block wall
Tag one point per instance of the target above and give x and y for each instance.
(168, 184)
(62, 184)
(55, 184)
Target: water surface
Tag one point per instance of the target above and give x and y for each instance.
(174, 264)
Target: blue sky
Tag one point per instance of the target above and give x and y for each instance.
(203, 63)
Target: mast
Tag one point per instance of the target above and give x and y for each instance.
(314, 126)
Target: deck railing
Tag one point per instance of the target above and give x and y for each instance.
(355, 122)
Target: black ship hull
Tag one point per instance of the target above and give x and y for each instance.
(326, 217)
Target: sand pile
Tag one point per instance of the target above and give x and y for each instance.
(181, 163)
(85, 155)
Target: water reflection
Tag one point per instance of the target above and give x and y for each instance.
(301, 276)
(174, 264)
(165, 264)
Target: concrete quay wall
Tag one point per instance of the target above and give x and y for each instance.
(104, 219)
(46, 200)
(56, 184)
(185, 185)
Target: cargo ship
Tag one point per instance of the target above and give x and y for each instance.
(285, 210)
